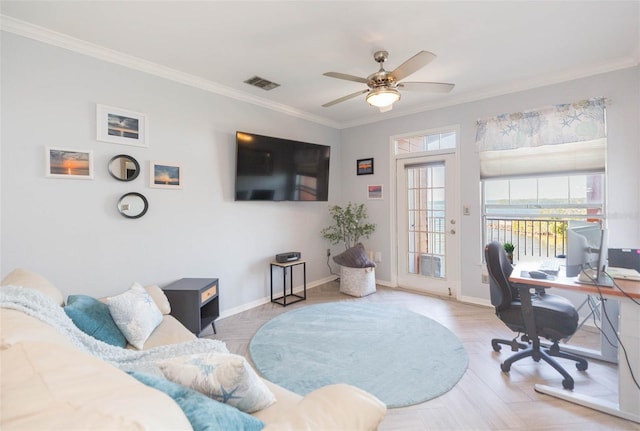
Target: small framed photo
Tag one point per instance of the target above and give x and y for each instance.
(365, 167)
(73, 164)
(374, 192)
(120, 126)
(165, 175)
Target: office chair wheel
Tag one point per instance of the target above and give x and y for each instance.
(582, 366)
(496, 347)
(567, 384)
(505, 367)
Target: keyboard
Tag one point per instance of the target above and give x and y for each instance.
(550, 266)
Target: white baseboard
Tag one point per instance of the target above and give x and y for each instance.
(298, 289)
(475, 301)
(267, 299)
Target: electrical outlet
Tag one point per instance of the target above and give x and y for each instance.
(328, 252)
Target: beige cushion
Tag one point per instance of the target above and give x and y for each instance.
(57, 387)
(159, 298)
(170, 331)
(332, 407)
(26, 278)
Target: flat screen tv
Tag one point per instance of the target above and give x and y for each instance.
(275, 169)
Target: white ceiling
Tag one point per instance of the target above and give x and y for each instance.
(486, 48)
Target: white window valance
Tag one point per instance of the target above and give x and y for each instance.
(557, 139)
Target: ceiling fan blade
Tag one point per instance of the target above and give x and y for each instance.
(345, 98)
(345, 77)
(434, 87)
(413, 64)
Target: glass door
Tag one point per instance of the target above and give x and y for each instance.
(426, 208)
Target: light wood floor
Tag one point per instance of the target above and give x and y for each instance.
(485, 398)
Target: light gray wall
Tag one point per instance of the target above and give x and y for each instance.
(70, 231)
(623, 160)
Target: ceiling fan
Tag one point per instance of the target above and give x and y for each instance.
(383, 85)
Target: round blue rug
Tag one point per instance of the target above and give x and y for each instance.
(401, 357)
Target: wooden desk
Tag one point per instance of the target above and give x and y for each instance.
(628, 406)
(632, 288)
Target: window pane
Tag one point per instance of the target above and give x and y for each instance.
(524, 191)
(496, 192)
(433, 143)
(512, 214)
(586, 189)
(578, 189)
(437, 179)
(595, 188)
(412, 220)
(412, 242)
(437, 197)
(447, 140)
(426, 143)
(417, 144)
(402, 146)
(410, 179)
(553, 190)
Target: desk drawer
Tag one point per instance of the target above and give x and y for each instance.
(208, 294)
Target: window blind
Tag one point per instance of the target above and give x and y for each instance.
(564, 138)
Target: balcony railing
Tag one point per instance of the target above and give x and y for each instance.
(537, 238)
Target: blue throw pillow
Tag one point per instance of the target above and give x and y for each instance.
(93, 317)
(204, 413)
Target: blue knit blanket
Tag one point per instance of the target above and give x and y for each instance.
(42, 307)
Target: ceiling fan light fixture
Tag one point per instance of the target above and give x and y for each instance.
(383, 97)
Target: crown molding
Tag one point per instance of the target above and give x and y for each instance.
(41, 34)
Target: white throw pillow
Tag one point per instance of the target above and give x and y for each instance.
(135, 314)
(225, 377)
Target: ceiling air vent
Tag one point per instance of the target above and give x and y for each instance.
(265, 84)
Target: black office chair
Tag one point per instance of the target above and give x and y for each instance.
(534, 315)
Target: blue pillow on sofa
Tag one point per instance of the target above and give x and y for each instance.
(93, 318)
(204, 413)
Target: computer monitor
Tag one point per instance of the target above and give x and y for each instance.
(587, 253)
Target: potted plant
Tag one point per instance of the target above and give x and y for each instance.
(509, 247)
(349, 225)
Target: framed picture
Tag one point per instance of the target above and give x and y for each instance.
(120, 126)
(165, 176)
(74, 164)
(364, 167)
(374, 192)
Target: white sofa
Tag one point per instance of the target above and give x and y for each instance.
(48, 383)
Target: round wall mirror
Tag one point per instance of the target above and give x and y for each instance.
(124, 168)
(133, 205)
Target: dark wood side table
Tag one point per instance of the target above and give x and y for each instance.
(194, 302)
(293, 297)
